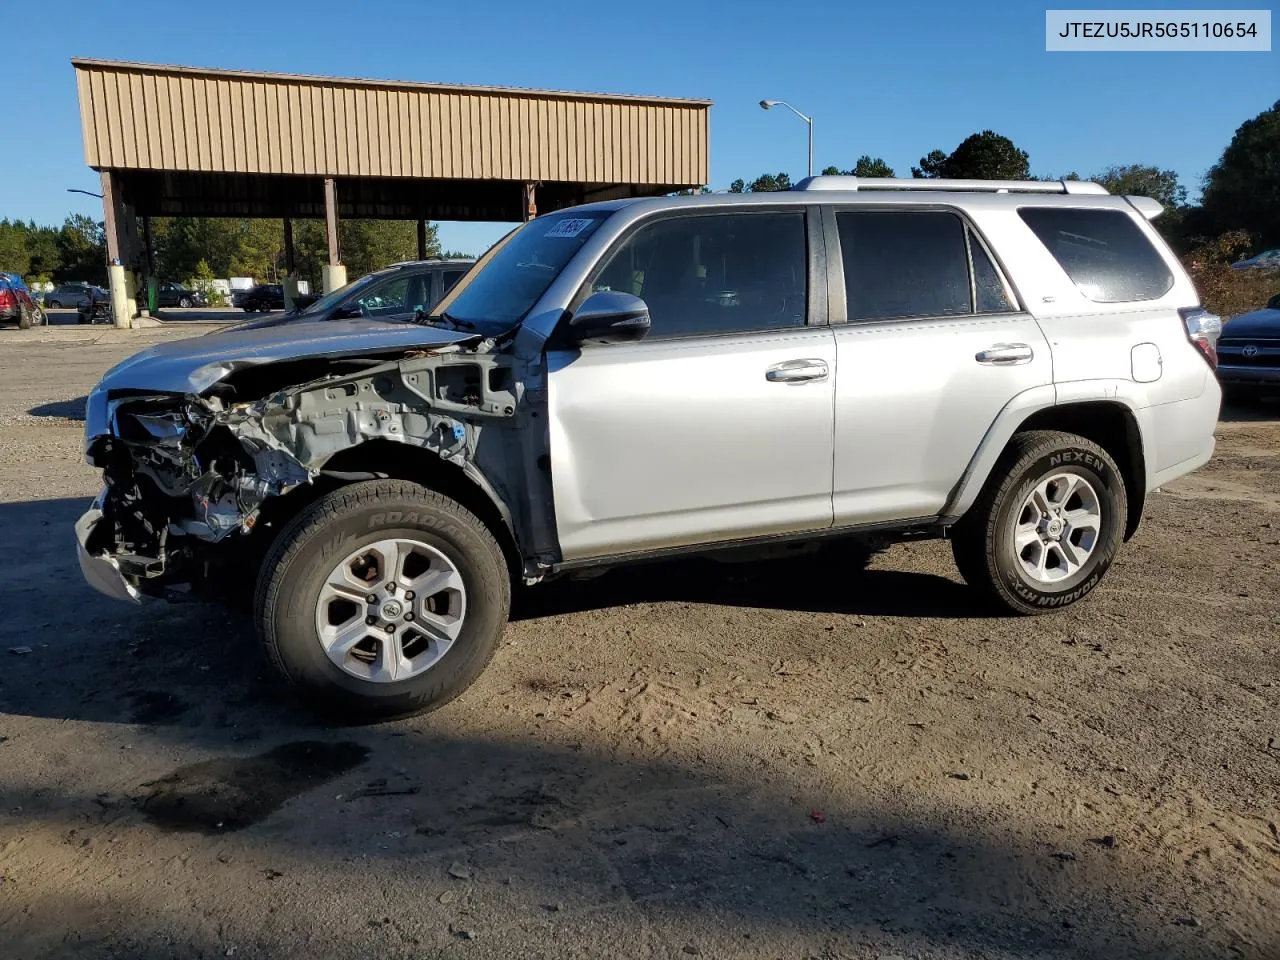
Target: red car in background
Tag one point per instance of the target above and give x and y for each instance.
(17, 304)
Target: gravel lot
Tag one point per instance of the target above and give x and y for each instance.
(739, 761)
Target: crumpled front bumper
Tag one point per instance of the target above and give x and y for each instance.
(102, 573)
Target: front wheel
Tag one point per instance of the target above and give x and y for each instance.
(184, 302)
(1046, 526)
(383, 599)
(54, 305)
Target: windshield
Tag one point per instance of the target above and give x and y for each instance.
(330, 300)
(499, 293)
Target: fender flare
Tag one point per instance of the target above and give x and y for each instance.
(1016, 412)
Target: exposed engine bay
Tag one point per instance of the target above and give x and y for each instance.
(186, 472)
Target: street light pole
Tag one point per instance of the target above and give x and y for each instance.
(770, 104)
(107, 278)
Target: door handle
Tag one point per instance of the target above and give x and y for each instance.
(1005, 354)
(797, 371)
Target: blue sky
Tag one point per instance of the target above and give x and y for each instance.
(888, 80)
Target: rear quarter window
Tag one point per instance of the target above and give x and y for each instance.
(1104, 252)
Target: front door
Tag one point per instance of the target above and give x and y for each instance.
(933, 349)
(717, 426)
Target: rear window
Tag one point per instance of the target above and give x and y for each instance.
(1106, 254)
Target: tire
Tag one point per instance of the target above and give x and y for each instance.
(984, 542)
(185, 302)
(341, 524)
(54, 305)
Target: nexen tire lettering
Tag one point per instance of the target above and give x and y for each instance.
(1075, 456)
(395, 516)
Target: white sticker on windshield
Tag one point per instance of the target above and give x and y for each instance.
(568, 228)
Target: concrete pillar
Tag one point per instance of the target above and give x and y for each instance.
(530, 204)
(334, 274)
(332, 277)
(422, 239)
(117, 251)
(290, 283)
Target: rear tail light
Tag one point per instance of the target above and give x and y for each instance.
(7, 298)
(1203, 329)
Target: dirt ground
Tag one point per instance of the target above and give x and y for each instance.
(738, 761)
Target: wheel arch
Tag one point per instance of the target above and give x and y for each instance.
(402, 461)
(1113, 424)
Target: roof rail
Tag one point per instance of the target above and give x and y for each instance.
(981, 186)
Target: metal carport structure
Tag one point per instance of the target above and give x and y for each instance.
(184, 141)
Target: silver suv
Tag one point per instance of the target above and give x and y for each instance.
(1012, 366)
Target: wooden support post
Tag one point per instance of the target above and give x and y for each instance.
(530, 205)
(288, 247)
(331, 220)
(113, 227)
(149, 263)
(422, 239)
(290, 284)
(111, 217)
(335, 274)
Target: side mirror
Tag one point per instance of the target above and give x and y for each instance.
(350, 311)
(609, 316)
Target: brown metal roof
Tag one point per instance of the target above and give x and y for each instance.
(163, 118)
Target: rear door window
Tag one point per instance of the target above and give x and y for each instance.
(1104, 252)
(904, 264)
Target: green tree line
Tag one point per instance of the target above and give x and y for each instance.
(74, 251)
(190, 247)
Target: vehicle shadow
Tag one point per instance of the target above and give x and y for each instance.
(61, 409)
(831, 580)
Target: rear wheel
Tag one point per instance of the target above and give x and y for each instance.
(184, 302)
(54, 305)
(383, 599)
(1046, 527)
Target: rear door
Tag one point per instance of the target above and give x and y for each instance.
(933, 346)
(717, 426)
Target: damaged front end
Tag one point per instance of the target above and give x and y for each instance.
(177, 476)
(189, 476)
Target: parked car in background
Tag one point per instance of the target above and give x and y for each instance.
(95, 307)
(1266, 260)
(1249, 353)
(66, 295)
(415, 285)
(17, 305)
(269, 296)
(1014, 371)
(169, 294)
